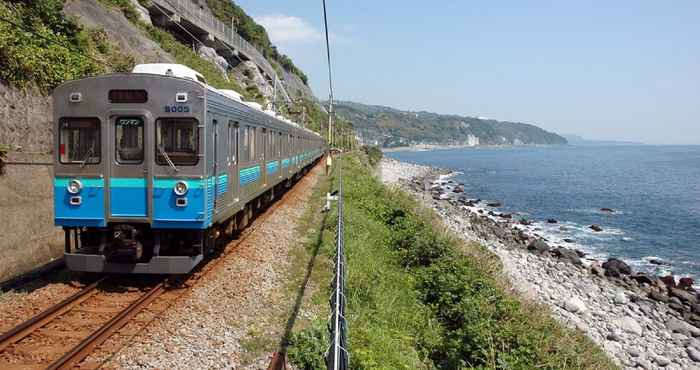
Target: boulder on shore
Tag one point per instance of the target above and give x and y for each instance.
(686, 283)
(669, 281)
(551, 221)
(596, 269)
(494, 204)
(642, 278)
(595, 228)
(568, 255)
(615, 268)
(659, 262)
(684, 295)
(538, 246)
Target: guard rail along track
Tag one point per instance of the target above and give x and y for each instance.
(217, 31)
(337, 356)
(70, 333)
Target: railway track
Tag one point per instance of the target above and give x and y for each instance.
(87, 328)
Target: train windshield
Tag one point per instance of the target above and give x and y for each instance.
(129, 137)
(177, 141)
(79, 141)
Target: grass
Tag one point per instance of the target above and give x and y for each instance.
(420, 298)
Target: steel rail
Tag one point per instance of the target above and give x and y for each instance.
(22, 330)
(88, 345)
(85, 347)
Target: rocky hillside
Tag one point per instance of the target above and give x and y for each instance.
(389, 127)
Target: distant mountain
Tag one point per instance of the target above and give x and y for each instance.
(579, 140)
(390, 127)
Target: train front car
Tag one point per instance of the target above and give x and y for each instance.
(130, 173)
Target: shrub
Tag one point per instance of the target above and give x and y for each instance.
(306, 347)
(374, 154)
(39, 45)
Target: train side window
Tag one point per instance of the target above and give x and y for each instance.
(129, 137)
(280, 144)
(244, 151)
(265, 143)
(251, 144)
(177, 141)
(79, 141)
(233, 140)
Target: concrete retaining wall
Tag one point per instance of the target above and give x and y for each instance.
(28, 238)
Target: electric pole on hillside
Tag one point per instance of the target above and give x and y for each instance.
(234, 22)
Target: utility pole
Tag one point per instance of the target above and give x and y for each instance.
(274, 95)
(330, 121)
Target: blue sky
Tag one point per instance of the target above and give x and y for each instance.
(627, 70)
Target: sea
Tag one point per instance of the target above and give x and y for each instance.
(653, 190)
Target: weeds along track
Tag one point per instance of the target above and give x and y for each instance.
(89, 327)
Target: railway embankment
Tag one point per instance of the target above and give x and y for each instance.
(419, 296)
(638, 320)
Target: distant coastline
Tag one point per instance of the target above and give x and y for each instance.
(431, 147)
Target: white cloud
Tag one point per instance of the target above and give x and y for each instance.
(287, 29)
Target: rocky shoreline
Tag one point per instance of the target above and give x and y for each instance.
(642, 321)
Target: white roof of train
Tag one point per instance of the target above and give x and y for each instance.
(183, 71)
(169, 69)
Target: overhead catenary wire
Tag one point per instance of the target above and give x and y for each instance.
(330, 77)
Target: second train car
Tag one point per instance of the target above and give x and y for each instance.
(151, 166)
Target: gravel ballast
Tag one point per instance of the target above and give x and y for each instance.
(235, 304)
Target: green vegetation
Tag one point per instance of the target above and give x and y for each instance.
(226, 10)
(185, 55)
(373, 153)
(392, 127)
(39, 45)
(420, 298)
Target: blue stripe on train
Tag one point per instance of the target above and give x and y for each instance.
(249, 175)
(90, 211)
(272, 167)
(128, 197)
(166, 213)
(222, 182)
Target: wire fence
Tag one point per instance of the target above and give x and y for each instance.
(337, 356)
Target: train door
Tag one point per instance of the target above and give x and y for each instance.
(263, 156)
(234, 157)
(219, 170)
(129, 182)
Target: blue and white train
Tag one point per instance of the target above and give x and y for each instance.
(152, 166)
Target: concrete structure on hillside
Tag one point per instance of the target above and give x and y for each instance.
(192, 19)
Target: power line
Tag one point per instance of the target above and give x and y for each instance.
(330, 78)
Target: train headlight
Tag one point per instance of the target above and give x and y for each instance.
(180, 188)
(74, 186)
